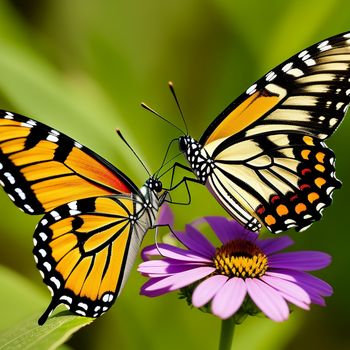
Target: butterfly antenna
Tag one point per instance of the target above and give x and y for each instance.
(171, 87)
(132, 150)
(143, 105)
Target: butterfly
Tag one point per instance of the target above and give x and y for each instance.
(95, 216)
(264, 158)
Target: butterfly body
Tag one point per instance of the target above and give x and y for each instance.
(95, 216)
(264, 158)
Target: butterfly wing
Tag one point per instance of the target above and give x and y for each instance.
(84, 251)
(41, 168)
(267, 145)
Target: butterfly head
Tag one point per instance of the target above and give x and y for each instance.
(154, 185)
(186, 143)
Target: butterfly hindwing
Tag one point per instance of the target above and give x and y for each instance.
(41, 168)
(84, 251)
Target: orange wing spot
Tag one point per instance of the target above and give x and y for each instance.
(62, 245)
(245, 114)
(270, 220)
(112, 273)
(102, 237)
(299, 208)
(320, 157)
(282, 210)
(12, 145)
(54, 192)
(13, 132)
(61, 227)
(309, 140)
(320, 168)
(320, 181)
(67, 263)
(43, 151)
(313, 196)
(44, 170)
(305, 153)
(90, 168)
(77, 278)
(93, 281)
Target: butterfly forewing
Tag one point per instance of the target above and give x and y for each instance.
(309, 93)
(84, 250)
(41, 168)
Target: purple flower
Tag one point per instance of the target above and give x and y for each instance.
(242, 269)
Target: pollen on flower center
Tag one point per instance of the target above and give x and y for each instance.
(240, 258)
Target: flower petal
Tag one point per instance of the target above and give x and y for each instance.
(268, 300)
(195, 241)
(153, 293)
(166, 216)
(181, 279)
(157, 268)
(305, 280)
(272, 245)
(207, 289)
(229, 298)
(222, 228)
(169, 251)
(289, 290)
(302, 260)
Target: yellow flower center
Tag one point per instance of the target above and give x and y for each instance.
(240, 258)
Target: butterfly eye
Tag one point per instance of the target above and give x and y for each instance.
(158, 186)
(182, 144)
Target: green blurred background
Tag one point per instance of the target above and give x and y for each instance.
(83, 67)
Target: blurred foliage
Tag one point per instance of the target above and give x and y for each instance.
(83, 67)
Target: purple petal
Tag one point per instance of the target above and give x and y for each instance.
(181, 279)
(169, 251)
(305, 280)
(268, 300)
(302, 260)
(229, 298)
(158, 268)
(154, 293)
(272, 245)
(207, 289)
(166, 216)
(195, 241)
(289, 290)
(242, 233)
(222, 228)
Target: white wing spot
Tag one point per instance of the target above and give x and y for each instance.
(302, 53)
(55, 215)
(77, 144)
(21, 194)
(42, 274)
(73, 205)
(97, 308)
(287, 67)
(271, 76)
(43, 236)
(56, 282)
(66, 298)
(11, 197)
(251, 89)
(54, 132)
(31, 122)
(10, 178)
(47, 265)
(333, 121)
(83, 306)
(42, 252)
(44, 222)
(310, 62)
(35, 242)
(9, 115)
(80, 312)
(52, 138)
(29, 208)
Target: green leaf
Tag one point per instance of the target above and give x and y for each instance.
(28, 335)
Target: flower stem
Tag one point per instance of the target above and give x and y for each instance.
(226, 336)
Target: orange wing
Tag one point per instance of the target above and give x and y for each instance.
(41, 168)
(84, 251)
